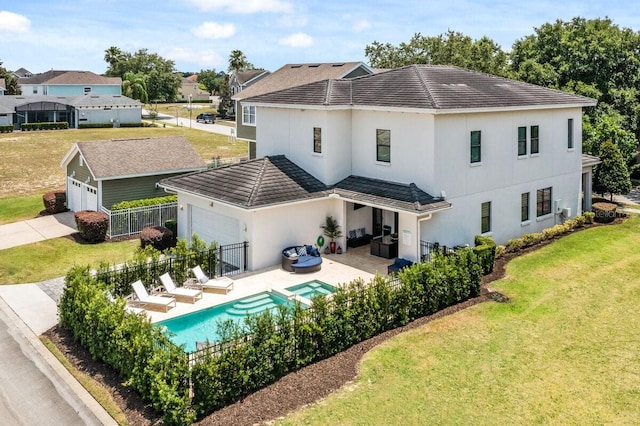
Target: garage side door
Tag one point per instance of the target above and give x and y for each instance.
(74, 194)
(212, 226)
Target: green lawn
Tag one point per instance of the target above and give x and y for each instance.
(564, 350)
(20, 208)
(31, 160)
(53, 258)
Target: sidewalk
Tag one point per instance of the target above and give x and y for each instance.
(38, 229)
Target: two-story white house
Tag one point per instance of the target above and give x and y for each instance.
(425, 153)
(69, 83)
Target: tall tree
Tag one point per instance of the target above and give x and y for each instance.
(611, 176)
(113, 56)
(238, 61)
(135, 86)
(225, 96)
(212, 80)
(452, 48)
(10, 81)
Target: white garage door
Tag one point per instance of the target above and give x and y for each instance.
(212, 226)
(74, 195)
(89, 197)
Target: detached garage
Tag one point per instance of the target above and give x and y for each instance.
(103, 173)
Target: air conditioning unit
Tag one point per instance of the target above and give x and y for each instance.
(557, 206)
(566, 212)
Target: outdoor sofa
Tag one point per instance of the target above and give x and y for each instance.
(301, 259)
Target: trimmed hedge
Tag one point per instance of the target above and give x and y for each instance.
(145, 202)
(55, 201)
(145, 358)
(92, 225)
(60, 125)
(158, 237)
(485, 249)
(290, 338)
(6, 129)
(107, 125)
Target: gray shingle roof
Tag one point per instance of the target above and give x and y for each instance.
(276, 180)
(291, 75)
(13, 101)
(390, 194)
(255, 183)
(69, 77)
(133, 157)
(425, 87)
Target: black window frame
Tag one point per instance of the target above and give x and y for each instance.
(543, 201)
(317, 140)
(524, 206)
(570, 133)
(383, 145)
(475, 147)
(522, 140)
(535, 140)
(485, 217)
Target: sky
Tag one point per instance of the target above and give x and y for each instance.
(41, 35)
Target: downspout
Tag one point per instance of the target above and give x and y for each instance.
(421, 219)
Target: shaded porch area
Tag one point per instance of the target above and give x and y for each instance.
(361, 258)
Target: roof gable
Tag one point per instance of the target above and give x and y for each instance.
(424, 87)
(120, 158)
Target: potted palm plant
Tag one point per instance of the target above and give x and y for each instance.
(332, 231)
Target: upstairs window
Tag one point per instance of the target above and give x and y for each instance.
(87, 90)
(476, 146)
(383, 145)
(249, 115)
(570, 133)
(535, 141)
(543, 202)
(317, 140)
(485, 217)
(522, 141)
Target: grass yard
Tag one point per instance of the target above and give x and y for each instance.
(31, 160)
(564, 350)
(20, 208)
(53, 258)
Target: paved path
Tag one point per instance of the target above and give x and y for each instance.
(38, 229)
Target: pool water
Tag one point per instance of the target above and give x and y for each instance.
(201, 326)
(312, 288)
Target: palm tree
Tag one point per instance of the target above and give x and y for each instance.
(135, 86)
(112, 56)
(237, 61)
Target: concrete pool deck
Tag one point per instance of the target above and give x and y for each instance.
(274, 278)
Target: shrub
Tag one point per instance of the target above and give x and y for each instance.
(92, 225)
(604, 212)
(588, 217)
(158, 237)
(55, 201)
(580, 221)
(45, 126)
(6, 129)
(485, 249)
(145, 202)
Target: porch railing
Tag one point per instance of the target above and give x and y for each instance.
(132, 221)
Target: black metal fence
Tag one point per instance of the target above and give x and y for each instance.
(224, 260)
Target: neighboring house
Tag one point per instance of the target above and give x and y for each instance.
(22, 73)
(74, 110)
(102, 173)
(288, 76)
(3, 86)
(190, 86)
(426, 153)
(241, 80)
(69, 83)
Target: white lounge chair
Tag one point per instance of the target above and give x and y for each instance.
(130, 305)
(187, 294)
(149, 301)
(218, 285)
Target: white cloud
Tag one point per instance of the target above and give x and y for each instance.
(361, 25)
(247, 6)
(13, 23)
(297, 40)
(292, 21)
(214, 30)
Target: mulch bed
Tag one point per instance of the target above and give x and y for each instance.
(291, 392)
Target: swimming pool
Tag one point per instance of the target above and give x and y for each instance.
(201, 326)
(312, 288)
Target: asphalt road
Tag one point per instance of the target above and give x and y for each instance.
(31, 392)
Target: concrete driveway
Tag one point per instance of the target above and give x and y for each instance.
(38, 229)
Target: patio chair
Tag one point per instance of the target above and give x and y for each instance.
(187, 294)
(218, 285)
(148, 301)
(131, 305)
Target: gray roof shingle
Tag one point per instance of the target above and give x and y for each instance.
(69, 77)
(276, 180)
(133, 157)
(424, 87)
